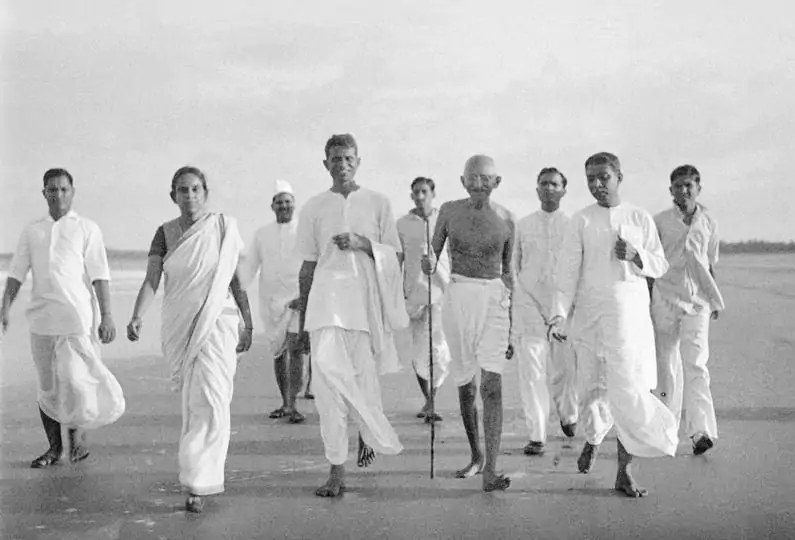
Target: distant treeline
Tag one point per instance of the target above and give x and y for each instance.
(757, 246)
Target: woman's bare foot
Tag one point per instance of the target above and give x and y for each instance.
(476, 467)
(587, 457)
(366, 455)
(495, 482)
(335, 485)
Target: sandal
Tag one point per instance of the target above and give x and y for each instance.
(277, 413)
(45, 460)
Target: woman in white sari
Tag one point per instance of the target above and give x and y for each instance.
(198, 253)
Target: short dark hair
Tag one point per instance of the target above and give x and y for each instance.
(344, 140)
(188, 169)
(687, 171)
(604, 158)
(552, 170)
(423, 180)
(57, 173)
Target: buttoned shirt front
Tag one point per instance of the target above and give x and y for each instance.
(412, 232)
(65, 258)
(273, 254)
(539, 238)
(339, 294)
(690, 250)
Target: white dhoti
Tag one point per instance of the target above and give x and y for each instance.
(682, 341)
(207, 389)
(546, 370)
(75, 387)
(476, 324)
(413, 346)
(279, 320)
(617, 373)
(345, 381)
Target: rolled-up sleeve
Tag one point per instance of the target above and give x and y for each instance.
(20, 264)
(95, 256)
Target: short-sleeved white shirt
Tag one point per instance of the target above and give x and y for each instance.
(69, 252)
(338, 297)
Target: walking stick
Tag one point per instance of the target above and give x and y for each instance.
(430, 346)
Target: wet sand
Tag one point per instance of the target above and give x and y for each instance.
(742, 488)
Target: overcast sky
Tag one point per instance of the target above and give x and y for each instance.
(124, 93)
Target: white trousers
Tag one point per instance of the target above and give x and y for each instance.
(682, 341)
(547, 372)
(412, 344)
(345, 381)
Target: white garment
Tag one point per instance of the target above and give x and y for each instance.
(682, 340)
(547, 372)
(339, 291)
(690, 250)
(355, 305)
(412, 233)
(65, 257)
(612, 325)
(542, 367)
(273, 255)
(75, 387)
(413, 343)
(345, 381)
(476, 323)
(200, 333)
(682, 302)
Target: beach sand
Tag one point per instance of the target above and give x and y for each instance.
(743, 488)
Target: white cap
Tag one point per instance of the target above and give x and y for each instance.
(283, 186)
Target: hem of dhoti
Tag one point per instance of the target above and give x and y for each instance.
(214, 490)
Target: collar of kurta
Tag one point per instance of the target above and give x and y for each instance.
(696, 213)
(71, 214)
(433, 212)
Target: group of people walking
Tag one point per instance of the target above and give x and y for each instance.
(605, 312)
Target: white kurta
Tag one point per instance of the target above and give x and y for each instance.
(544, 368)
(682, 302)
(346, 316)
(273, 255)
(65, 257)
(612, 325)
(199, 337)
(413, 343)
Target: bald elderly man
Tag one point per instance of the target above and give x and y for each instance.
(476, 314)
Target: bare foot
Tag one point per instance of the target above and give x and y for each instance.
(335, 485)
(366, 455)
(626, 484)
(494, 482)
(587, 457)
(476, 467)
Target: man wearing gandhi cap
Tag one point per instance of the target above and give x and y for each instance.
(273, 256)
